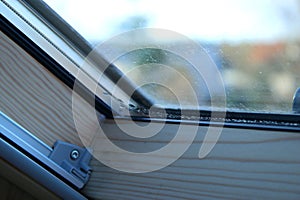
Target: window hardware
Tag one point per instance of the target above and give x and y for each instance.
(67, 161)
(73, 159)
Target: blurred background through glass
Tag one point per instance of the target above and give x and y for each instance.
(255, 44)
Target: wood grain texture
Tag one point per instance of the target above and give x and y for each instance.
(245, 164)
(33, 97)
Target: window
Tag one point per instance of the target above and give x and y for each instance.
(253, 54)
(255, 45)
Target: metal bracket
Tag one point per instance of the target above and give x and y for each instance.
(67, 160)
(73, 159)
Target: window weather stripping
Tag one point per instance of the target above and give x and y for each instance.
(61, 169)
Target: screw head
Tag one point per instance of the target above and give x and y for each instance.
(74, 154)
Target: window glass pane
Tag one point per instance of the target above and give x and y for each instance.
(255, 45)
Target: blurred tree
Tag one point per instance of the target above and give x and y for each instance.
(134, 22)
